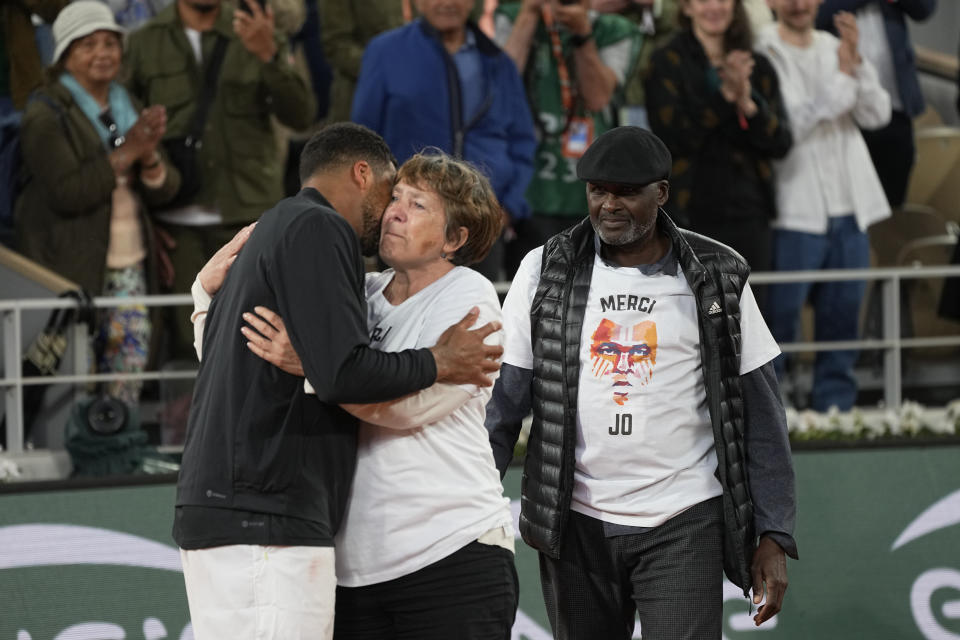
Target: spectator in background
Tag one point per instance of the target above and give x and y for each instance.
(93, 159)
(21, 67)
(828, 191)
(21, 71)
(133, 14)
(241, 173)
(656, 20)
(885, 43)
(759, 14)
(718, 108)
(309, 42)
(574, 62)
(439, 81)
(347, 28)
(307, 49)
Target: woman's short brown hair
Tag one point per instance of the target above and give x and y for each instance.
(467, 197)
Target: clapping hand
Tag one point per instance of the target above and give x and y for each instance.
(141, 140)
(735, 71)
(848, 58)
(255, 29)
(154, 121)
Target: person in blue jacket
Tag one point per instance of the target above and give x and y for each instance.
(885, 42)
(440, 82)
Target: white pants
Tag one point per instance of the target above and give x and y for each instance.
(243, 591)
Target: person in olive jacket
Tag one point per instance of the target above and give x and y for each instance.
(93, 162)
(347, 28)
(241, 174)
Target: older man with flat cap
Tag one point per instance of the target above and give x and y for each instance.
(658, 458)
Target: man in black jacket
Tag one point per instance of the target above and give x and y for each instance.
(267, 468)
(638, 500)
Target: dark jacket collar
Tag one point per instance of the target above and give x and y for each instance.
(315, 196)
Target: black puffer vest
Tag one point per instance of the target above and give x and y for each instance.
(716, 275)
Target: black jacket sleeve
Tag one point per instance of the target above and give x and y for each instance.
(328, 327)
(508, 406)
(769, 462)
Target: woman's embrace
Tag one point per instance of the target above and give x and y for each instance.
(426, 547)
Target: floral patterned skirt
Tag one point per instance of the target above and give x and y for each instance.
(123, 337)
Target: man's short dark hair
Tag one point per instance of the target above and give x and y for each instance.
(341, 144)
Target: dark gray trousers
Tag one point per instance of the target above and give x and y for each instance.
(672, 575)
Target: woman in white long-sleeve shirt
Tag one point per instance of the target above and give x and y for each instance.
(426, 548)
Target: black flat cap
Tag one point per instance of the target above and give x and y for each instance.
(627, 155)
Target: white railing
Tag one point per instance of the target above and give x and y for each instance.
(13, 382)
(891, 343)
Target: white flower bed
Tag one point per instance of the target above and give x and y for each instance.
(913, 419)
(8, 468)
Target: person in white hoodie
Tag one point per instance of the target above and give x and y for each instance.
(828, 191)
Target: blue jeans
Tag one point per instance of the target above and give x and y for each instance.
(836, 304)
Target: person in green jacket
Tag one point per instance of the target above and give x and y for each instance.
(657, 20)
(93, 161)
(574, 63)
(346, 29)
(241, 174)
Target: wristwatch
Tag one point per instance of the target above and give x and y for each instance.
(576, 40)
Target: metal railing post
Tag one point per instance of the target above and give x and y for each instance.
(13, 394)
(79, 340)
(892, 371)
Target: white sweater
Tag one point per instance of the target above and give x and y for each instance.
(839, 104)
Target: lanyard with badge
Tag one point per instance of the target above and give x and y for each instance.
(578, 133)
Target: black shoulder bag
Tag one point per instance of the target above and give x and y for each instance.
(183, 151)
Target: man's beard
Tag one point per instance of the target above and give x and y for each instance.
(632, 233)
(370, 238)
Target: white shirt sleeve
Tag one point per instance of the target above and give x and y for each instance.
(502, 26)
(616, 57)
(872, 109)
(517, 348)
(201, 304)
(430, 405)
(757, 344)
(412, 411)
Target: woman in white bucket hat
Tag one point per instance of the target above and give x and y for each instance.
(92, 162)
